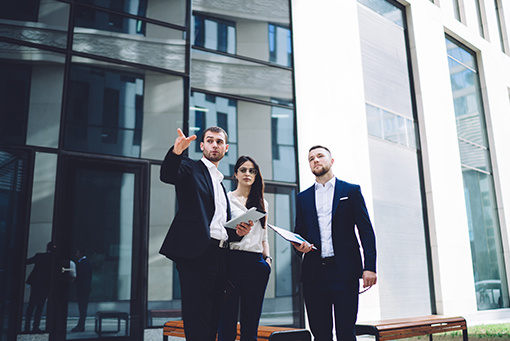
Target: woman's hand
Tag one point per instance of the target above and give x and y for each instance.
(244, 228)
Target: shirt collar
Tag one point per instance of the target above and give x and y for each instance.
(330, 183)
(212, 169)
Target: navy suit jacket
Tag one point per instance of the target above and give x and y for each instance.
(349, 211)
(189, 233)
(83, 276)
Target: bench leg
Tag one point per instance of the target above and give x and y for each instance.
(165, 338)
(464, 335)
(430, 337)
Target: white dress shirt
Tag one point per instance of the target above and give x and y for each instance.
(252, 242)
(324, 205)
(217, 227)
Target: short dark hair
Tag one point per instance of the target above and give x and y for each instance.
(82, 251)
(215, 130)
(317, 147)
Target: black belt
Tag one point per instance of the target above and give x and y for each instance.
(222, 244)
(328, 260)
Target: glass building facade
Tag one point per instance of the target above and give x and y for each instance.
(92, 95)
(484, 229)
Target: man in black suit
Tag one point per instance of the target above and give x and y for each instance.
(83, 287)
(39, 281)
(327, 215)
(197, 240)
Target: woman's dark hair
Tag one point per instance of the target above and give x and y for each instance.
(256, 196)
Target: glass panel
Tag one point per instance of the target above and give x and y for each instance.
(34, 21)
(101, 217)
(217, 73)
(30, 95)
(163, 304)
(283, 144)
(486, 248)
(169, 11)
(13, 207)
(473, 156)
(123, 38)
(41, 221)
(263, 132)
(260, 30)
(121, 111)
(385, 9)
(283, 284)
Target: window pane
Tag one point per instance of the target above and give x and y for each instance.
(128, 39)
(121, 112)
(13, 209)
(30, 95)
(46, 25)
(486, 248)
(41, 223)
(263, 132)
(262, 31)
(236, 77)
(168, 11)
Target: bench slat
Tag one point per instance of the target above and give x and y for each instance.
(176, 328)
(412, 326)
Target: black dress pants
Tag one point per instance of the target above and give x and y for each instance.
(331, 295)
(202, 288)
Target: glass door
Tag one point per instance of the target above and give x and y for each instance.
(100, 242)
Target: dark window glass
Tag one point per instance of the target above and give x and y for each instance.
(24, 10)
(104, 111)
(199, 31)
(221, 118)
(199, 127)
(215, 34)
(280, 45)
(14, 102)
(13, 206)
(105, 21)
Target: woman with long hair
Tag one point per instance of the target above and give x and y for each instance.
(249, 260)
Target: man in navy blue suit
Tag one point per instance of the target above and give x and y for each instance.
(328, 214)
(197, 240)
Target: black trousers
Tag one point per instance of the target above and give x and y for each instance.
(202, 288)
(36, 302)
(332, 293)
(249, 273)
(83, 302)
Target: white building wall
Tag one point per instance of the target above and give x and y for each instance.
(329, 89)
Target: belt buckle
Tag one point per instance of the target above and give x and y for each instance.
(223, 244)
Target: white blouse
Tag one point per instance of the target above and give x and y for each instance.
(252, 242)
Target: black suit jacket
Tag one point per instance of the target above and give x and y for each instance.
(41, 274)
(83, 276)
(349, 211)
(189, 233)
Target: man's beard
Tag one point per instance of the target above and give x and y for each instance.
(321, 171)
(214, 158)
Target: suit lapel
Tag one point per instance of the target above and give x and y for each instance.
(336, 197)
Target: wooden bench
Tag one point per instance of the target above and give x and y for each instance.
(176, 328)
(413, 326)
